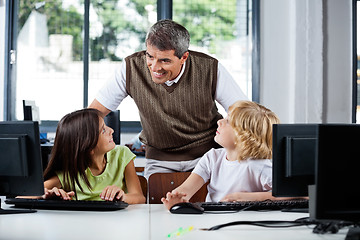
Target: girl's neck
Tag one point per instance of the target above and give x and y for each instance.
(98, 164)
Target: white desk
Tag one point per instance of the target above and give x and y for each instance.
(162, 223)
(148, 222)
(130, 223)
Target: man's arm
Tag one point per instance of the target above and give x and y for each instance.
(97, 105)
(112, 93)
(227, 90)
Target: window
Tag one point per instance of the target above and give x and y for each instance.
(49, 57)
(117, 29)
(357, 63)
(221, 29)
(66, 49)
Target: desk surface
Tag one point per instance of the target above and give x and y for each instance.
(148, 222)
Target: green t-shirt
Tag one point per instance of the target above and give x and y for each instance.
(117, 160)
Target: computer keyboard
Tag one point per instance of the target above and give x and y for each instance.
(256, 205)
(66, 205)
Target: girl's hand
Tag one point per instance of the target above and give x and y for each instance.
(112, 192)
(57, 192)
(172, 198)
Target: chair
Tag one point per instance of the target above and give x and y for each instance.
(161, 183)
(113, 120)
(144, 186)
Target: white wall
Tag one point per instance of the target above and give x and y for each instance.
(2, 49)
(306, 60)
(339, 63)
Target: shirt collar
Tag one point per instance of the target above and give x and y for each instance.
(171, 82)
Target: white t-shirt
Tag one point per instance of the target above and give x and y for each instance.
(114, 91)
(233, 176)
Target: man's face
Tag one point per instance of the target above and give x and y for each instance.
(163, 65)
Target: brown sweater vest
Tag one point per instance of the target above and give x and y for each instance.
(179, 122)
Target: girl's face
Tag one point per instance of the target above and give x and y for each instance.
(105, 142)
(225, 135)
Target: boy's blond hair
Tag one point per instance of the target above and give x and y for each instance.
(252, 124)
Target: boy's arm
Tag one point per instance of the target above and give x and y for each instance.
(247, 196)
(252, 196)
(184, 192)
(190, 186)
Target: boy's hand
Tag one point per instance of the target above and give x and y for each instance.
(57, 192)
(172, 198)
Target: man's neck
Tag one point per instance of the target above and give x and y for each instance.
(175, 80)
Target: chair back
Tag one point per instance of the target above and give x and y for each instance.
(161, 183)
(113, 120)
(144, 186)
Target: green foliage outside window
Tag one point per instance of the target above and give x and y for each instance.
(206, 20)
(59, 21)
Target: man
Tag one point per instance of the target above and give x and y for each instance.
(175, 91)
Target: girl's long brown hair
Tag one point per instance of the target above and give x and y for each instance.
(76, 136)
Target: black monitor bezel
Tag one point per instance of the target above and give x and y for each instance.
(33, 184)
(334, 196)
(284, 185)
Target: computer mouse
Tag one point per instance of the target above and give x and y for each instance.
(186, 208)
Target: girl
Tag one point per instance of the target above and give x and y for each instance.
(242, 169)
(86, 165)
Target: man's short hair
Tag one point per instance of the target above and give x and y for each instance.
(169, 35)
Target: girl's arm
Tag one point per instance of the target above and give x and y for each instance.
(52, 182)
(135, 194)
(184, 192)
(53, 189)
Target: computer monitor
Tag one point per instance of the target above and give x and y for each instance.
(294, 148)
(21, 172)
(336, 192)
(31, 111)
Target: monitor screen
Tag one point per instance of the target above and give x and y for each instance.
(20, 159)
(335, 194)
(293, 159)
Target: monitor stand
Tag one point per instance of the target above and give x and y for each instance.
(14, 211)
(353, 233)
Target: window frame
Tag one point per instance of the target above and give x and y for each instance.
(10, 45)
(355, 62)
